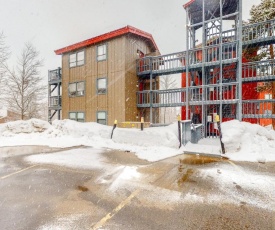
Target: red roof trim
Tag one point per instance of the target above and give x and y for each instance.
(106, 36)
(188, 3)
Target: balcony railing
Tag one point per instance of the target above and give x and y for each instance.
(176, 62)
(178, 97)
(263, 32)
(55, 75)
(55, 101)
(259, 32)
(258, 108)
(259, 71)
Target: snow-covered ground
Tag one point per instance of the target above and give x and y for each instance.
(243, 141)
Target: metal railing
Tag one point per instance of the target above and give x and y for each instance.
(161, 98)
(259, 71)
(259, 32)
(55, 101)
(176, 62)
(55, 75)
(178, 97)
(258, 108)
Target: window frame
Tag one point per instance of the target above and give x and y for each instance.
(76, 94)
(106, 116)
(76, 58)
(97, 89)
(106, 52)
(76, 115)
(268, 96)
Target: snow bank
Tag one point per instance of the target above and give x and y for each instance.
(152, 144)
(29, 126)
(158, 136)
(243, 141)
(248, 142)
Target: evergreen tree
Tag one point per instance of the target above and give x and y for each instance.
(263, 12)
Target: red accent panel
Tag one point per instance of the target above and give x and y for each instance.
(106, 36)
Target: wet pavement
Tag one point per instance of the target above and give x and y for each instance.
(182, 192)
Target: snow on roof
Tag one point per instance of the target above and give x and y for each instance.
(122, 31)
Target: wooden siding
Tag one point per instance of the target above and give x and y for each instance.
(120, 71)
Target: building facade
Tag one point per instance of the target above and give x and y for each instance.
(99, 80)
(219, 82)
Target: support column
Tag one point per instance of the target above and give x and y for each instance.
(187, 67)
(203, 83)
(221, 63)
(240, 53)
(151, 93)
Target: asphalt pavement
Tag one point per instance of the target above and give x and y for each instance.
(183, 192)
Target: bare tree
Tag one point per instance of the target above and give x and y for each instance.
(23, 86)
(4, 55)
(167, 82)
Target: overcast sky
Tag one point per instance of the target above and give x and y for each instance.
(53, 24)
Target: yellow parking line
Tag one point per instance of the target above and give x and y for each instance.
(22, 170)
(116, 210)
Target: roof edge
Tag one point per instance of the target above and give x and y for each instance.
(106, 36)
(188, 3)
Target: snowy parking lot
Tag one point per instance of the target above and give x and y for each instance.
(73, 176)
(106, 189)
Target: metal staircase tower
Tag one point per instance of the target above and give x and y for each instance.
(215, 76)
(54, 94)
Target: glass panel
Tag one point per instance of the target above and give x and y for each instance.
(80, 88)
(72, 89)
(80, 115)
(101, 115)
(80, 58)
(101, 85)
(101, 52)
(103, 122)
(72, 116)
(72, 60)
(268, 96)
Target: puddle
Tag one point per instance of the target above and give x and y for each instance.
(82, 188)
(185, 176)
(198, 160)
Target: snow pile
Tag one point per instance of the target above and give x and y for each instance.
(243, 141)
(29, 126)
(151, 144)
(246, 141)
(158, 136)
(78, 129)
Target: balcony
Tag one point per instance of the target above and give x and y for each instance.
(55, 102)
(55, 76)
(259, 71)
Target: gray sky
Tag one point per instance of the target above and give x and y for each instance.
(53, 24)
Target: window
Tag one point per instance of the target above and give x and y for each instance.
(101, 52)
(101, 85)
(76, 89)
(102, 117)
(267, 112)
(77, 59)
(76, 116)
(268, 96)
